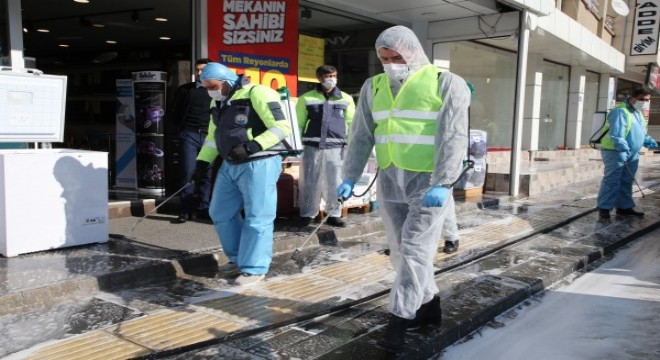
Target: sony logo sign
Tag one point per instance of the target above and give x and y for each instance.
(338, 40)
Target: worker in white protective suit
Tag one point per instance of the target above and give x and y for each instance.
(417, 119)
(450, 227)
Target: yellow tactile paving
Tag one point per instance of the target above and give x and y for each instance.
(307, 287)
(353, 272)
(169, 329)
(253, 306)
(375, 259)
(91, 346)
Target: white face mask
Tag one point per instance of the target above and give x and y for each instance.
(646, 106)
(397, 71)
(639, 105)
(217, 95)
(330, 83)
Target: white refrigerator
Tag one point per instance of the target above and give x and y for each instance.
(52, 198)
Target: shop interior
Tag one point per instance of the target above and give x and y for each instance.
(94, 43)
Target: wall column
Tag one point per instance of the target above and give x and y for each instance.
(15, 34)
(606, 85)
(575, 107)
(530, 139)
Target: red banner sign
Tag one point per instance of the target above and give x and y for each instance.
(258, 38)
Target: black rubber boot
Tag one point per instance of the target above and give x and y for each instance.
(428, 314)
(450, 247)
(603, 214)
(395, 333)
(629, 212)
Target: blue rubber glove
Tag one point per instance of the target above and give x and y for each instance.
(435, 196)
(649, 143)
(623, 156)
(345, 189)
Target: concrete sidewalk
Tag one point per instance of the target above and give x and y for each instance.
(225, 318)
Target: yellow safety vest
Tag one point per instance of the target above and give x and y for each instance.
(606, 142)
(406, 126)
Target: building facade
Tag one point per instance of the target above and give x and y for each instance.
(541, 68)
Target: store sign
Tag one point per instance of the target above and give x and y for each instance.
(645, 28)
(310, 56)
(258, 38)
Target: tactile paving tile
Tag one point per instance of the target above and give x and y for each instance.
(308, 287)
(91, 346)
(376, 259)
(354, 273)
(254, 306)
(170, 329)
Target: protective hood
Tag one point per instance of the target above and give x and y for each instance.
(404, 41)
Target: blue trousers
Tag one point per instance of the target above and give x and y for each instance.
(247, 242)
(191, 144)
(616, 187)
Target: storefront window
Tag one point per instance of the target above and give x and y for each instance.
(493, 74)
(591, 84)
(554, 101)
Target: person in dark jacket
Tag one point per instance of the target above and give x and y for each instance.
(247, 130)
(190, 114)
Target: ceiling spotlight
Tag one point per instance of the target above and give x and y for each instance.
(135, 16)
(27, 27)
(164, 38)
(111, 42)
(306, 14)
(43, 30)
(82, 1)
(160, 19)
(63, 45)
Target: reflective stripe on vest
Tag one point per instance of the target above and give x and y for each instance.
(406, 126)
(606, 142)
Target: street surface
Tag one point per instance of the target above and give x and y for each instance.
(612, 312)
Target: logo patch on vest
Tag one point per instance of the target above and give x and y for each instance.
(240, 119)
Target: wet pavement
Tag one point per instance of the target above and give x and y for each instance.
(327, 303)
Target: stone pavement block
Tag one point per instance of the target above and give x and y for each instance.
(539, 272)
(47, 296)
(149, 273)
(484, 298)
(199, 262)
(11, 303)
(579, 228)
(498, 262)
(219, 352)
(337, 334)
(313, 338)
(478, 300)
(619, 231)
(558, 246)
(266, 347)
